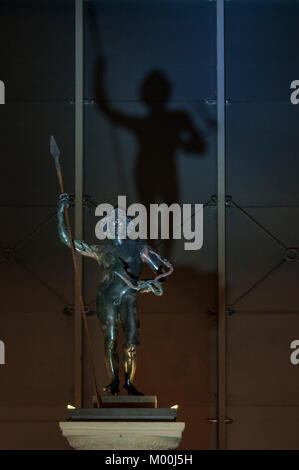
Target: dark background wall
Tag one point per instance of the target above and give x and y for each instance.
(262, 177)
(178, 349)
(178, 354)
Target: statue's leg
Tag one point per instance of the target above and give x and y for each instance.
(130, 324)
(112, 365)
(107, 314)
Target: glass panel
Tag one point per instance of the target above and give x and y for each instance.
(36, 273)
(132, 150)
(262, 168)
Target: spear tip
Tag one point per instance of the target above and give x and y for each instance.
(54, 150)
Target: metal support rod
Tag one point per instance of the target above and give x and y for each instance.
(221, 227)
(78, 190)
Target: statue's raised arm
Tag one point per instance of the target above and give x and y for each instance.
(81, 246)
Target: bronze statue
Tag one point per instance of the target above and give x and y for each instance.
(122, 262)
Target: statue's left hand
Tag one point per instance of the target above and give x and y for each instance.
(63, 201)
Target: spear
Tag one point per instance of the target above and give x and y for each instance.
(55, 152)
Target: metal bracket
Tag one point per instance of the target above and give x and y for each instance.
(211, 101)
(291, 254)
(229, 310)
(213, 201)
(85, 101)
(213, 311)
(72, 200)
(216, 420)
(7, 254)
(69, 310)
(88, 202)
(228, 200)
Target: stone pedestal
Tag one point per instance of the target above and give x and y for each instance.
(123, 423)
(119, 435)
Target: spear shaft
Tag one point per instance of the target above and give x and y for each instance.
(55, 152)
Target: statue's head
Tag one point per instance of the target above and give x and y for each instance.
(116, 225)
(155, 89)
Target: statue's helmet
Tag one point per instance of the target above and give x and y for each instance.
(116, 224)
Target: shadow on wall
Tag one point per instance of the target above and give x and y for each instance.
(159, 135)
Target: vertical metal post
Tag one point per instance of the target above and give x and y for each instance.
(78, 189)
(221, 227)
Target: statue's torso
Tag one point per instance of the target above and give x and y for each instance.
(124, 259)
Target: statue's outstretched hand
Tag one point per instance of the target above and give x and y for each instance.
(63, 201)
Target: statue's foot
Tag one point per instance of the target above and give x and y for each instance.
(112, 388)
(132, 390)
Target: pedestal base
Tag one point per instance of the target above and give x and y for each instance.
(95, 435)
